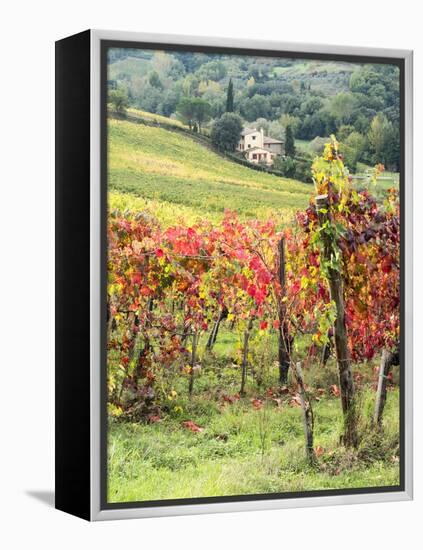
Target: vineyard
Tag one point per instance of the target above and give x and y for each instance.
(155, 164)
(249, 354)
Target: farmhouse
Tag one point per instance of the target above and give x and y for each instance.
(259, 154)
(257, 147)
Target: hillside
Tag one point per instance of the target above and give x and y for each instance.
(330, 77)
(326, 77)
(128, 67)
(168, 169)
(359, 103)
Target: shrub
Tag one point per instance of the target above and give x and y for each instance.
(119, 99)
(296, 168)
(226, 132)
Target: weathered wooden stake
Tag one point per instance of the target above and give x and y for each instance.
(245, 356)
(307, 415)
(388, 359)
(140, 354)
(284, 341)
(223, 313)
(192, 364)
(341, 338)
(326, 350)
(185, 334)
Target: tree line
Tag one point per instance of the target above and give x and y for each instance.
(363, 111)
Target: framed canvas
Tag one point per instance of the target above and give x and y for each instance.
(233, 275)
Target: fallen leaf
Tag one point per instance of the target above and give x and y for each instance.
(295, 401)
(231, 398)
(257, 403)
(319, 450)
(190, 425)
(334, 390)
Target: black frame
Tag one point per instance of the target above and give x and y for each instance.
(105, 45)
(72, 203)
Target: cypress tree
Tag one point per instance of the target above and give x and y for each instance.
(289, 142)
(230, 98)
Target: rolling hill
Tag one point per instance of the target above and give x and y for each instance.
(128, 67)
(171, 174)
(326, 77)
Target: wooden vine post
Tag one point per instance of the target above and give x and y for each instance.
(334, 277)
(284, 342)
(247, 333)
(326, 350)
(192, 362)
(140, 355)
(223, 313)
(308, 419)
(388, 359)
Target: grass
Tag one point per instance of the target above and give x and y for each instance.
(165, 460)
(159, 165)
(385, 181)
(153, 117)
(242, 450)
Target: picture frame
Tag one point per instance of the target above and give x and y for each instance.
(81, 276)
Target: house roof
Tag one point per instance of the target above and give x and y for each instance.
(247, 131)
(268, 139)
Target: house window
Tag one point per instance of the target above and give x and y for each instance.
(254, 156)
(254, 137)
(249, 145)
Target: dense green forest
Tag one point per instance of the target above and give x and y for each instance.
(358, 103)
